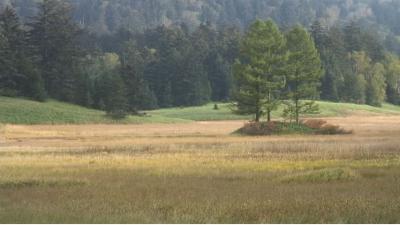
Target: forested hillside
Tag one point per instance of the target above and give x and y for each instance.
(124, 56)
(109, 15)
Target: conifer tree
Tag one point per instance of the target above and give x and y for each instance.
(303, 73)
(353, 37)
(376, 87)
(392, 77)
(4, 77)
(54, 37)
(318, 32)
(356, 83)
(260, 72)
(12, 44)
(18, 74)
(132, 70)
(117, 103)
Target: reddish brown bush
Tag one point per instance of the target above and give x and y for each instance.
(258, 128)
(315, 124)
(323, 127)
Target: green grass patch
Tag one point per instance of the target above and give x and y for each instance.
(21, 111)
(327, 109)
(293, 128)
(201, 113)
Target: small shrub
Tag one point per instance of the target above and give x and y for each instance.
(258, 128)
(141, 114)
(117, 114)
(8, 92)
(216, 107)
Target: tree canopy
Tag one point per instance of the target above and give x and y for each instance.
(260, 71)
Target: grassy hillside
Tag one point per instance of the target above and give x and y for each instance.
(327, 109)
(200, 113)
(21, 111)
(344, 109)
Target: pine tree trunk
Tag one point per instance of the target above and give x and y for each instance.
(269, 110)
(297, 111)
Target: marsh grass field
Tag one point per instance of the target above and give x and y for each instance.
(198, 172)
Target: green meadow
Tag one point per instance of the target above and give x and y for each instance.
(22, 111)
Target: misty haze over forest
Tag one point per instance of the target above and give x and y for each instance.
(104, 16)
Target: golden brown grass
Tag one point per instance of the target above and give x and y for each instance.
(199, 173)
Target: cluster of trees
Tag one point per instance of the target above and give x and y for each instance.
(164, 67)
(19, 73)
(51, 55)
(295, 67)
(274, 68)
(357, 68)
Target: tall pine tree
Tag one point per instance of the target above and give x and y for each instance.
(54, 39)
(376, 85)
(133, 63)
(18, 74)
(392, 77)
(303, 74)
(260, 72)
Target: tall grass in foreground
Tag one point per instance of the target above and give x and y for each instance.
(255, 182)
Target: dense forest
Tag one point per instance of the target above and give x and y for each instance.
(126, 56)
(104, 16)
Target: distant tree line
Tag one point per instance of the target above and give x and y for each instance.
(51, 56)
(357, 68)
